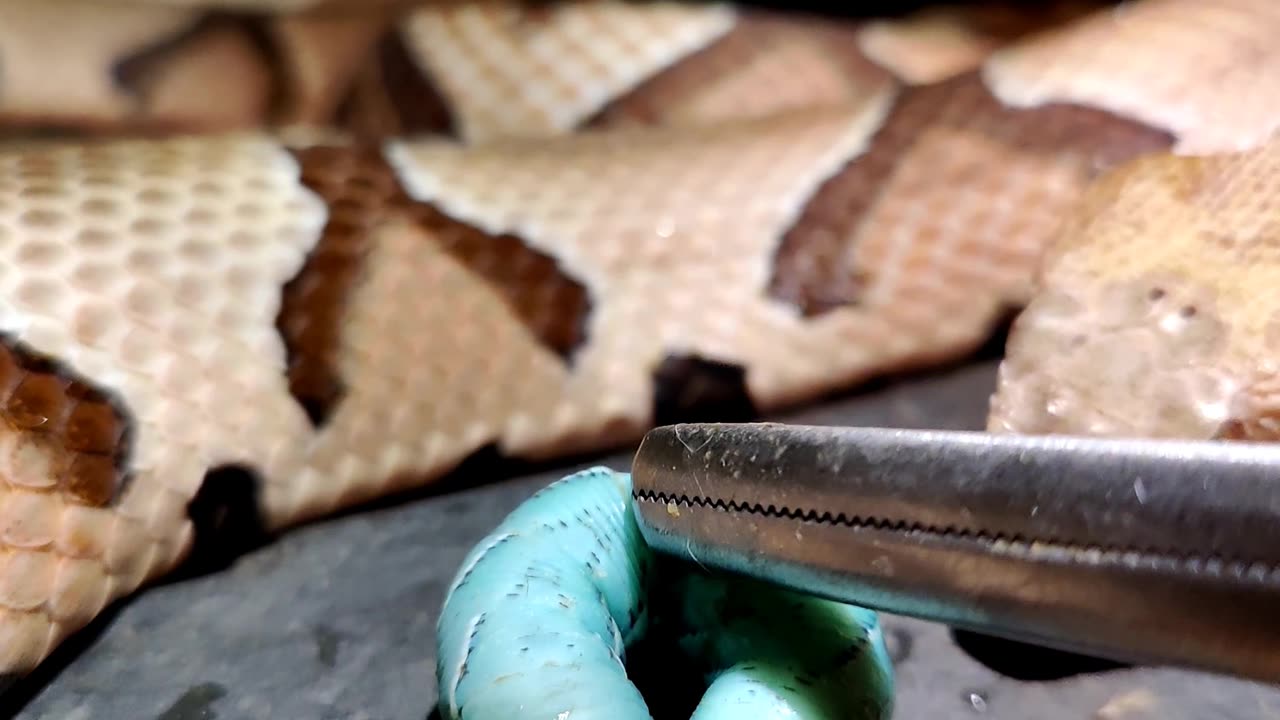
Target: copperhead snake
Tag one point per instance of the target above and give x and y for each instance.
(345, 246)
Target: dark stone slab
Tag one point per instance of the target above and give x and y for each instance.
(337, 619)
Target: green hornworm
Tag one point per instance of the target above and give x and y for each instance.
(545, 611)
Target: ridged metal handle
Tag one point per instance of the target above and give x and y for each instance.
(1154, 552)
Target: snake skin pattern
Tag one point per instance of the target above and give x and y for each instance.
(343, 246)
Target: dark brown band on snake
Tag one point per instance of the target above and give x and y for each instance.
(226, 71)
(752, 38)
(552, 305)
(395, 95)
(61, 433)
(816, 268)
(218, 74)
(362, 193)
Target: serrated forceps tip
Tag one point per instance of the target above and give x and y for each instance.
(1156, 552)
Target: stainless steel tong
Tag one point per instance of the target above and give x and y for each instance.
(1151, 552)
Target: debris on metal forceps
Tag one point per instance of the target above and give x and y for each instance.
(1154, 552)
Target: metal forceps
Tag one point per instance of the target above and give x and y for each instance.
(1144, 551)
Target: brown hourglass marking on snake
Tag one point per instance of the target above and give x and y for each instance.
(815, 267)
(362, 192)
(65, 434)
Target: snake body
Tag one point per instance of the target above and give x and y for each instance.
(339, 248)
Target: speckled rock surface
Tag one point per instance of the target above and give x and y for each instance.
(337, 620)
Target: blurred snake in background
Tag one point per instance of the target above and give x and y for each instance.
(326, 250)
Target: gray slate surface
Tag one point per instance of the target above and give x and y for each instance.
(337, 619)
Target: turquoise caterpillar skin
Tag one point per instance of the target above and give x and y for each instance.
(541, 615)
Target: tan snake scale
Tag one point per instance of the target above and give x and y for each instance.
(347, 245)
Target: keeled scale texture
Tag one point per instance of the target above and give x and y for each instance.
(507, 70)
(152, 270)
(1179, 338)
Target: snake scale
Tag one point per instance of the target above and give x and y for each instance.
(340, 247)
